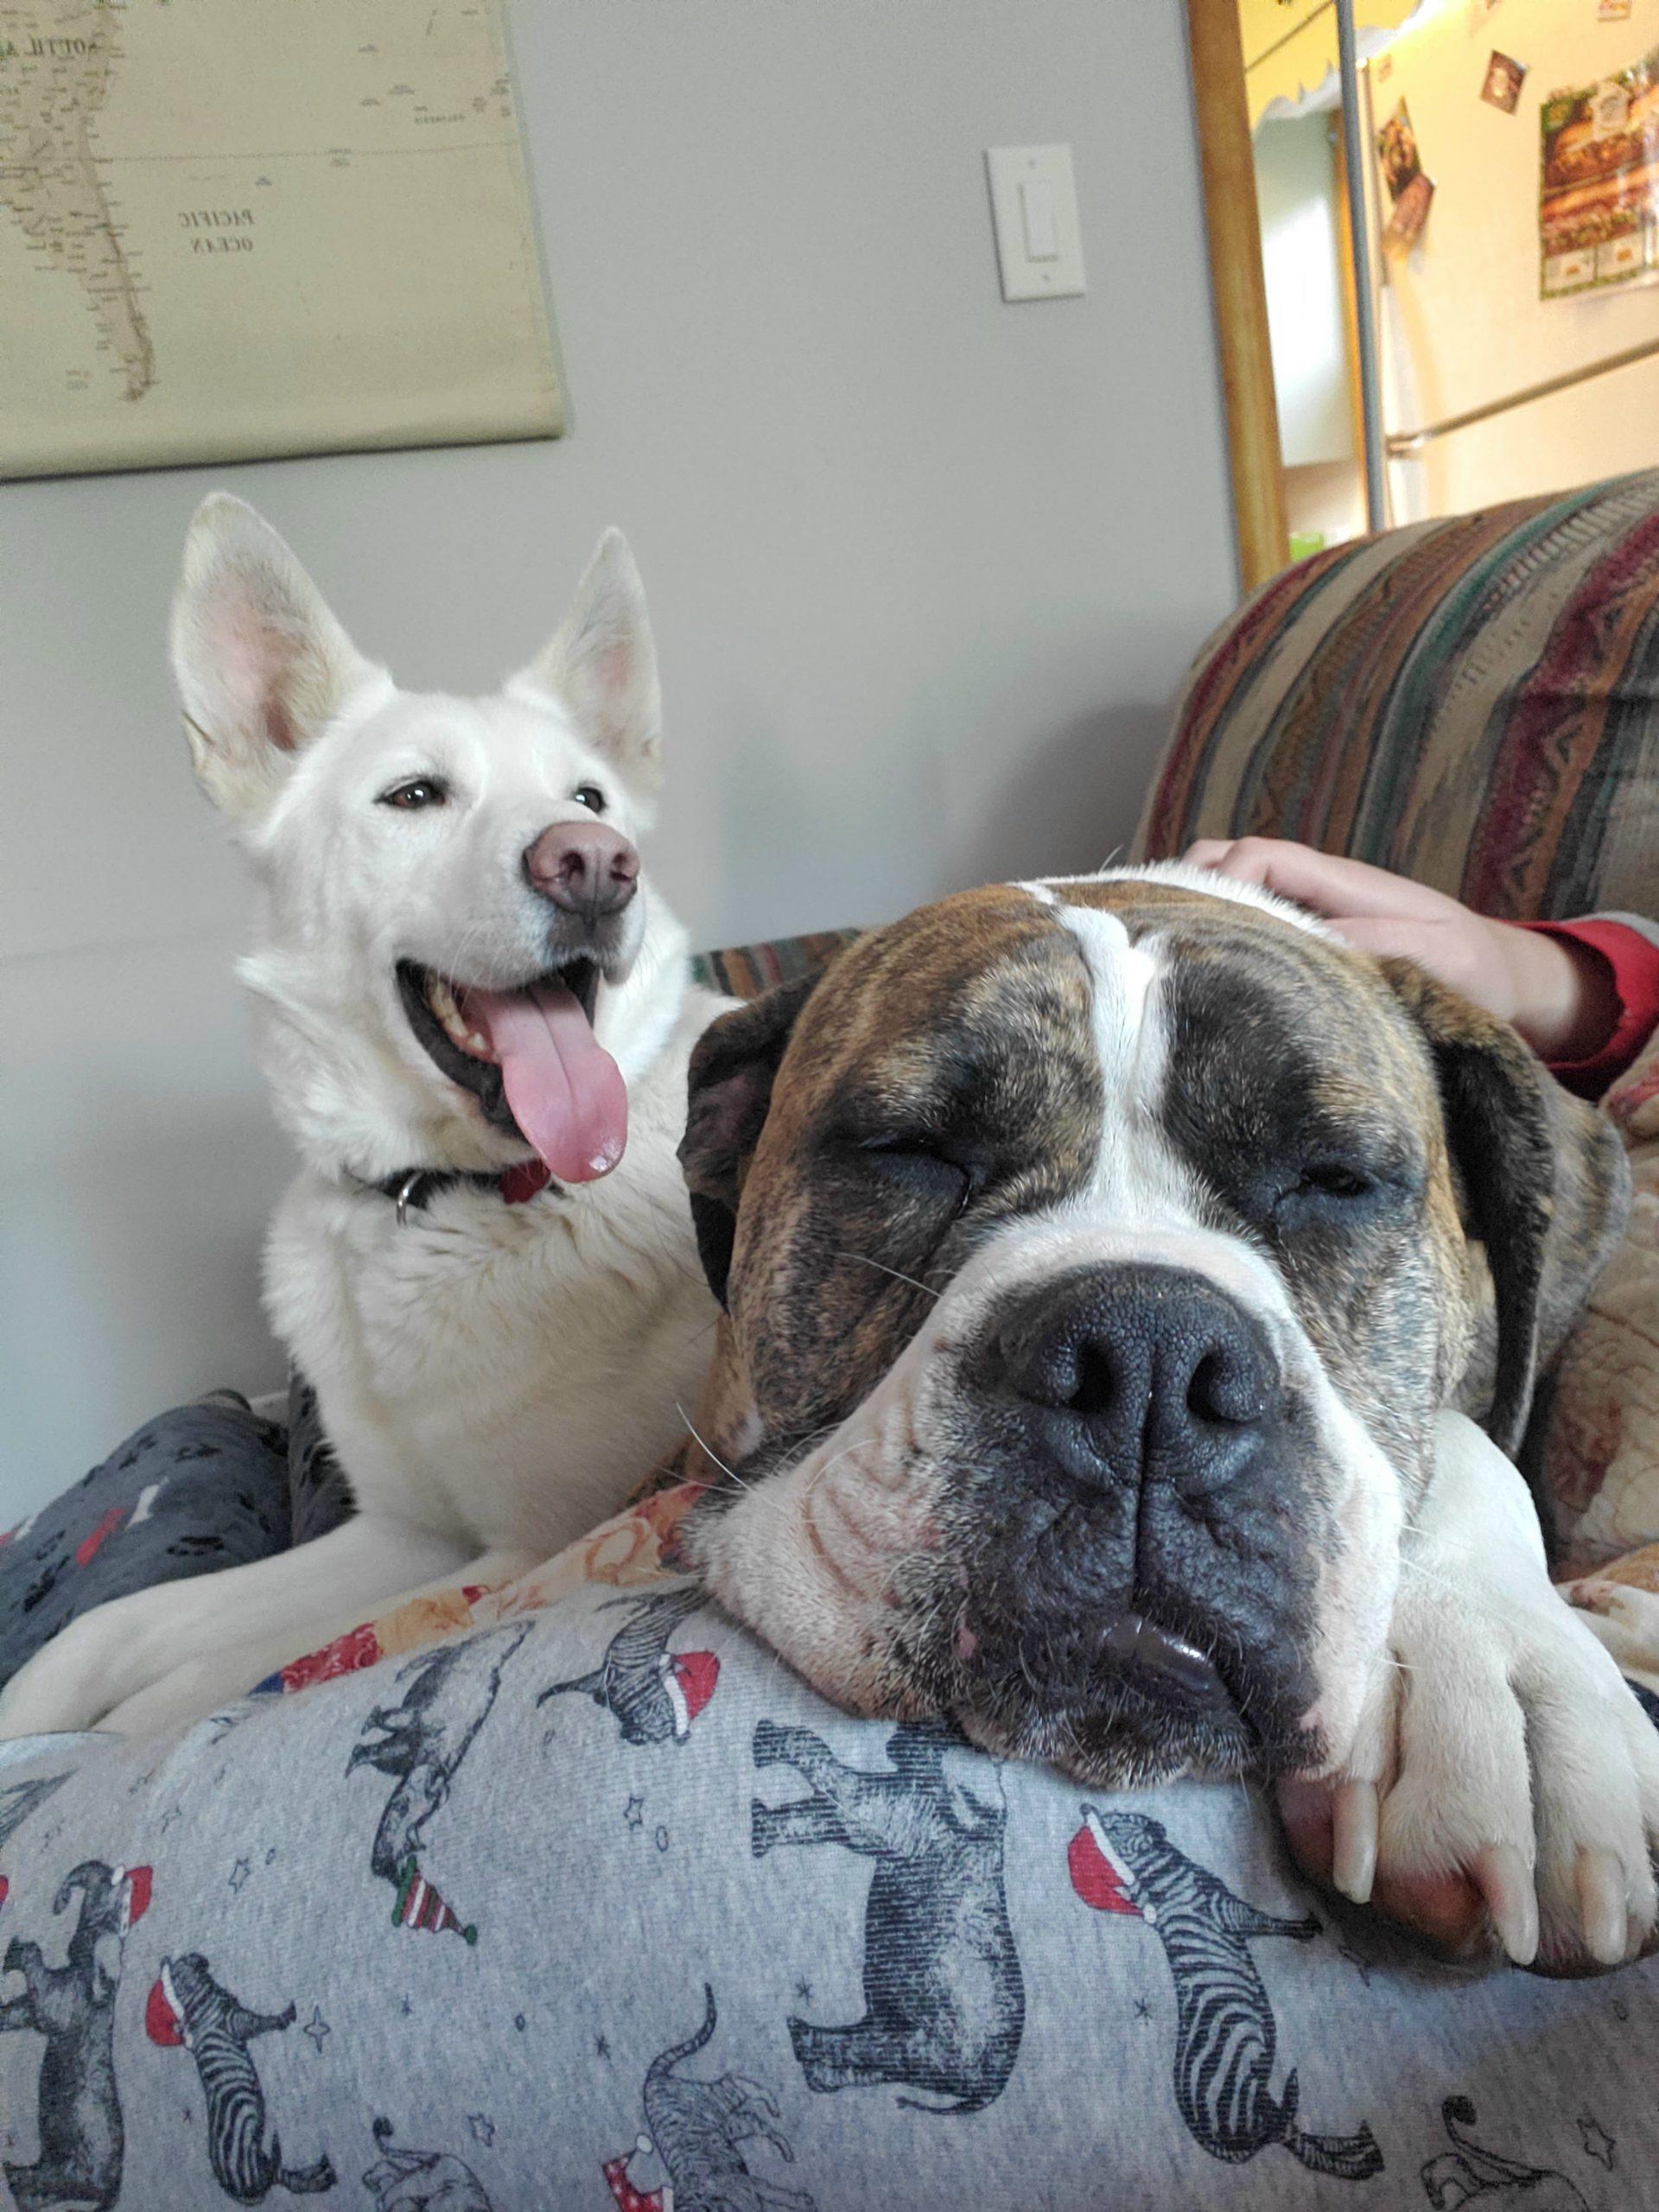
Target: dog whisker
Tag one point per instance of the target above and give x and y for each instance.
(898, 1273)
(710, 1449)
(817, 1473)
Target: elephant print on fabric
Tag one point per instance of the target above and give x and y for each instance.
(652, 1694)
(1226, 2036)
(1468, 2175)
(421, 1742)
(944, 1999)
(421, 2181)
(83, 2138)
(186, 2008)
(19, 1799)
(696, 2132)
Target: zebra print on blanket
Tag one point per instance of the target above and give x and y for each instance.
(187, 2009)
(1225, 2034)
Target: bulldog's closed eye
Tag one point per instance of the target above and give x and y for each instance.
(924, 1167)
(1337, 1179)
(1332, 1191)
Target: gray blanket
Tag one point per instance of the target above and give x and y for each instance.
(509, 1925)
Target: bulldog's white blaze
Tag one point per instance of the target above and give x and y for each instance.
(1124, 974)
(1143, 1203)
(1136, 1178)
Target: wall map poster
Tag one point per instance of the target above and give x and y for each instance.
(230, 229)
(1598, 183)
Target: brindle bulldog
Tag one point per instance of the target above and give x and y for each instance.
(1104, 1263)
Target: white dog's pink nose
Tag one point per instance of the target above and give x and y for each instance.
(586, 867)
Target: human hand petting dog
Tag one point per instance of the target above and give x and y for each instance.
(1558, 995)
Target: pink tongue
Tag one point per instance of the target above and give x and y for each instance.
(566, 1092)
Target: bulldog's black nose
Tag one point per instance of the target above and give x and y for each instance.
(1138, 1373)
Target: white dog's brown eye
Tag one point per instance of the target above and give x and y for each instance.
(591, 797)
(420, 791)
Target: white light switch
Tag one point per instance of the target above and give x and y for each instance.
(1037, 205)
(1034, 213)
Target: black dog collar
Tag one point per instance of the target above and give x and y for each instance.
(413, 1189)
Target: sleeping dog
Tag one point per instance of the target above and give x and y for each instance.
(1104, 1262)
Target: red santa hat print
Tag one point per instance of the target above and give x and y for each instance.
(1097, 1876)
(419, 1905)
(164, 2015)
(688, 1679)
(629, 2196)
(134, 1883)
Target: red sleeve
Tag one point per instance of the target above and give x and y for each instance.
(1632, 961)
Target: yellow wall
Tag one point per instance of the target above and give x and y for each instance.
(1290, 45)
(1462, 316)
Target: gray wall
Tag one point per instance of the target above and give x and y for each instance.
(925, 571)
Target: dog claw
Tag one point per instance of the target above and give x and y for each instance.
(1353, 1863)
(1604, 1909)
(1505, 1881)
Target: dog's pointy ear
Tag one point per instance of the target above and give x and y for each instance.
(261, 666)
(733, 1066)
(601, 665)
(1542, 1177)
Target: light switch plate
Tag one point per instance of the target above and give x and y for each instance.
(1035, 213)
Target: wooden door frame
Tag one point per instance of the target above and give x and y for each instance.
(1238, 288)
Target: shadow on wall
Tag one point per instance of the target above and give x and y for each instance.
(1072, 804)
(945, 817)
(801, 846)
(93, 1291)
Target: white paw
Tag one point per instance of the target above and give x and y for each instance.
(1518, 1760)
(1501, 1752)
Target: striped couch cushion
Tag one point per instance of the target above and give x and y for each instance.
(744, 971)
(1472, 701)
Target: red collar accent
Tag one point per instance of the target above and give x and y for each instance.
(522, 1182)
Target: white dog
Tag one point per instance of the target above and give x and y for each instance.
(468, 1001)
